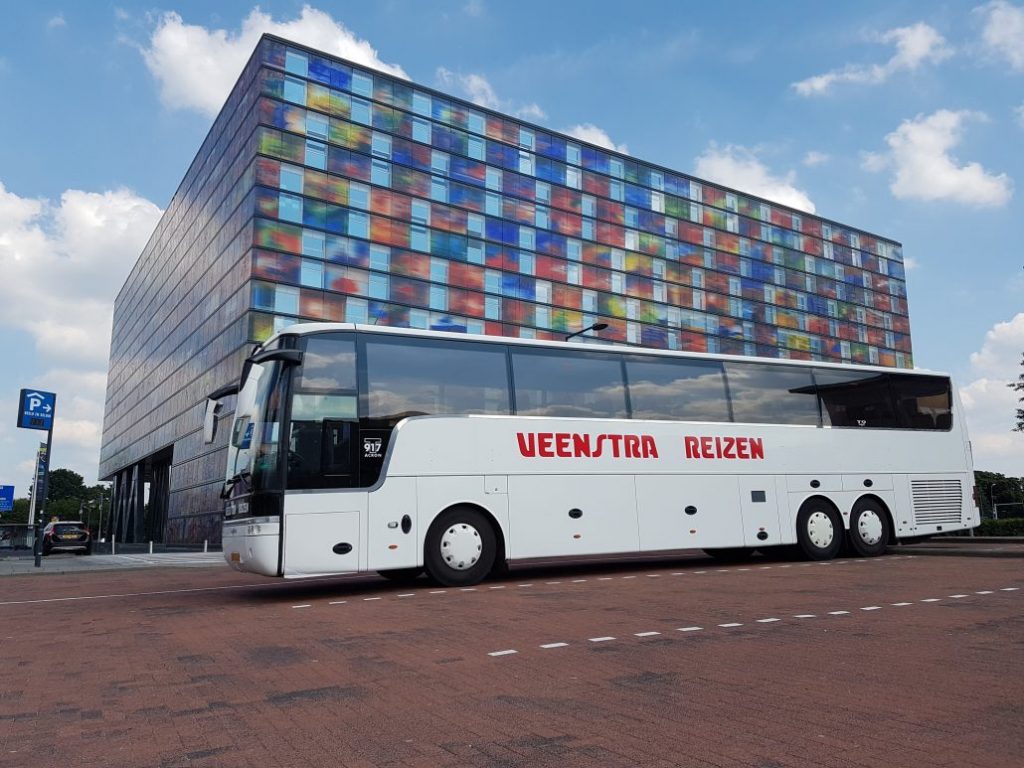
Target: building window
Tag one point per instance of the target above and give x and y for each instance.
(358, 224)
(296, 63)
(291, 179)
(381, 145)
(295, 90)
(420, 212)
(380, 258)
(421, 130)
(316, 154)
(378, 286)
(419, 238)
(381, 173)
(362, 83)
(316, 126)
(312, 274)
(477, 148)
(289, 208)
(313, 243)
(421, 104)
(358, 195)
(361, 111)
(572, 153)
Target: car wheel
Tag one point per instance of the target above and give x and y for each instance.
(460, 547)
(819, 530)
(869, 529)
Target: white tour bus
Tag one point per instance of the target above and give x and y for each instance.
(358, 448)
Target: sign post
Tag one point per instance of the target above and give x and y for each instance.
(36, 410)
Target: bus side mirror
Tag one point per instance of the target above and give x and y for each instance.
(210, 421)
(213, 406)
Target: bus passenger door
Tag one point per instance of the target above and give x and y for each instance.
(760, 509)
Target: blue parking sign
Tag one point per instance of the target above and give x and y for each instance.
(36, 409)
(6, 498)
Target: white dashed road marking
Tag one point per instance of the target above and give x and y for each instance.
(554, 645)
(838, 613)
(766, 621)
(690, 629)
(731, 624)
(508, 652)
(804, 616)
(900, 605)
(600, 639)
(872, 608)
(647, 634)
(304, 605)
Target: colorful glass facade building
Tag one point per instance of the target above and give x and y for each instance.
(329, 191)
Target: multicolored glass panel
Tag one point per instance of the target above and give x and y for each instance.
(381, 201)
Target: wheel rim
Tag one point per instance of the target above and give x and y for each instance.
(461, 546)
(870, 527)
(820, 530)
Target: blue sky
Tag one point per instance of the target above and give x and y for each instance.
(905, 119)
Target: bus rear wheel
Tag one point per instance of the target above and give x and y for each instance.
(869, 528)
(819, 529)
(460, 547)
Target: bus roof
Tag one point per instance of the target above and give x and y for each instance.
(302, 329)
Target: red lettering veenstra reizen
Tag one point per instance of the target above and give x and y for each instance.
(568, 445)
(705, 447)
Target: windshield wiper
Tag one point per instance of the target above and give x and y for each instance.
(229, 484)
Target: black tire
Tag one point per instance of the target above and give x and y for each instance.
(869, 528)
(460, 547)
(819, 529)
(401, 575)
(730, 554)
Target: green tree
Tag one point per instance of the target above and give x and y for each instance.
(64, 484)
(1018, 386)
(995, 488)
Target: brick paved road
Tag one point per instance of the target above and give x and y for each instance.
(895, 661)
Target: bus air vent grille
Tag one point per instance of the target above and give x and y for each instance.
(936, 501)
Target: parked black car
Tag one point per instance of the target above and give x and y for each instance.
(67, 536)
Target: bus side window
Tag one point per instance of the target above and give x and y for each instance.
(771, 394)
(575, 385)
(855, 399)
(924, 402)
(663, 388)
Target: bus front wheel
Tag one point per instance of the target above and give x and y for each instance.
(869, 529)
(460, 547)
(819, 529)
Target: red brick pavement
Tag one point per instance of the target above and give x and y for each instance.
(234, 675)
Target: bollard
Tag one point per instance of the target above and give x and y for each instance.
(205, 543)
(151, 547)
(113, 545)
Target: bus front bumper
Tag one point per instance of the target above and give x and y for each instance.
(253, 545)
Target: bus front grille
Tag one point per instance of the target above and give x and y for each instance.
(936, 502)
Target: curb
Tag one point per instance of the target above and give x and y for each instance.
(917, 549)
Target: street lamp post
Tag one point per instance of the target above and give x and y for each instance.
(594, 327)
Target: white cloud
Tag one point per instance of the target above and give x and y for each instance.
(919, 153)
(478, 90)
(813, 158)
(915, 45)
(1004, 31)
(990, 404)
(1019, 114)
(740, 168)
(65, 262)
(591, 133)
(197, 66)
(68, 260)
(473, 8)
(910, 263)
(56, 21)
